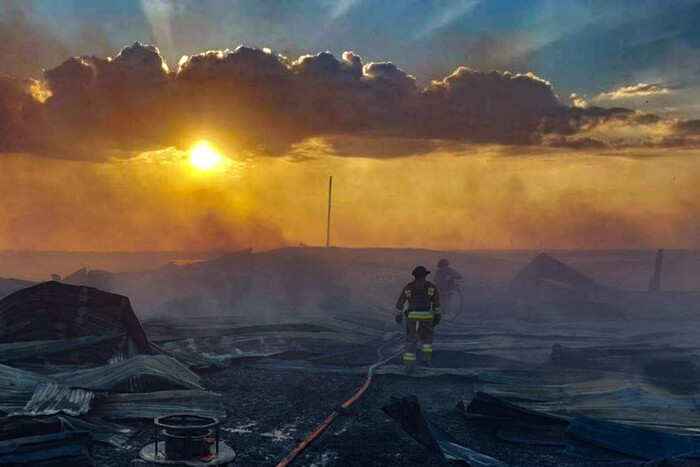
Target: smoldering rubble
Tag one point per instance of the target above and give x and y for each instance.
(544, 365)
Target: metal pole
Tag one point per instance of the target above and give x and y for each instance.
(328, 224)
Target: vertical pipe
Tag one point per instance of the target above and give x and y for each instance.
(328, 222)
(655, 281)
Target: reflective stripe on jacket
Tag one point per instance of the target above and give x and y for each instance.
(423, 299)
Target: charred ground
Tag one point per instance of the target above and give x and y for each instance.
(286, 336)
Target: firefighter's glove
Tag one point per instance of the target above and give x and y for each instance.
(398, 317)
(436, 320)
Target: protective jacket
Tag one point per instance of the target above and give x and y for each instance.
(447, 278)
(423, 301)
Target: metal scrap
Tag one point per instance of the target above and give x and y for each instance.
(55, 449)
(628, 441)
(149, 405)
(519, 424)
(408, 413)
(50, 398)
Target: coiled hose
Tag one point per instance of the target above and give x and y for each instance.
(327, 422)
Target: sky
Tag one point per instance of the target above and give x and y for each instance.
(447, 124)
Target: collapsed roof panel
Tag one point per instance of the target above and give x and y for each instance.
(49, 398)
(602, 394)
(160, 367)
(63, 323)
(545, 278)
(633, 441)
(50, 450)
(23, 426)
(149, 405)
(81, 341)
(408, 413)
(13, 351)
(520, 425)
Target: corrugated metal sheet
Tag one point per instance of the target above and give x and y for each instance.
(27, 349)
(63, 448)
(154, 404)
(50, 399)
(45, 311)
(29, 393)
(159, 367)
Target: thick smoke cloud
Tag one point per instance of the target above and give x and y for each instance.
(253, 101)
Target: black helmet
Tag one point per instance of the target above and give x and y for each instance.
(443, 263)
(420, 271)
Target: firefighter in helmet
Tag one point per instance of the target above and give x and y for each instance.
(448, 281)
(422, 315)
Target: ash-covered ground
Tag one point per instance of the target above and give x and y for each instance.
(286, 336)
(271, 411)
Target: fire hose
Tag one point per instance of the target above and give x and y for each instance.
(327, 422)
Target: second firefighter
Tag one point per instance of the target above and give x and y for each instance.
(422, 315)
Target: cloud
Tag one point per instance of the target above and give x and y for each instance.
(26, 46)
(689, 127)
(495, 91)
(578, 101)
(255, 102)
(494, 107)
(19, 113)
(637, 90)
(559, 141)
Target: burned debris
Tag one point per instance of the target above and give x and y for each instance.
(408, 413)
(78, 356)
(541, 359)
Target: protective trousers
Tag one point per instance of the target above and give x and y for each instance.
(417, 331)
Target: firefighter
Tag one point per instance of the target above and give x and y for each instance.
(422, 315)
(448, 281)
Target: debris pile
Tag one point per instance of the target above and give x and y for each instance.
(408, 413)
(585, 440)
(545, 278)
(73, 356)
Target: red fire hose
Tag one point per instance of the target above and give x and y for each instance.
(327, 422)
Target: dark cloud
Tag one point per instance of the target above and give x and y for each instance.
(19, 114)
(497, 107)
(575, 143)
(102, 105)
(386, 147)
(495, 91)
(253, 100)
(689, 127)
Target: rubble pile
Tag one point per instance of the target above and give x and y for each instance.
(72, 357)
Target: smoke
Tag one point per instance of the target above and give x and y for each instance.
(160, 15)
(480, 200)
(116, 131)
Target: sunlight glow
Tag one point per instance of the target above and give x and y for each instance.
(204, 157)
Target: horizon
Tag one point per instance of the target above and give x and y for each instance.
(159, 136)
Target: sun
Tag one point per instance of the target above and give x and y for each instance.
(204, 157)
